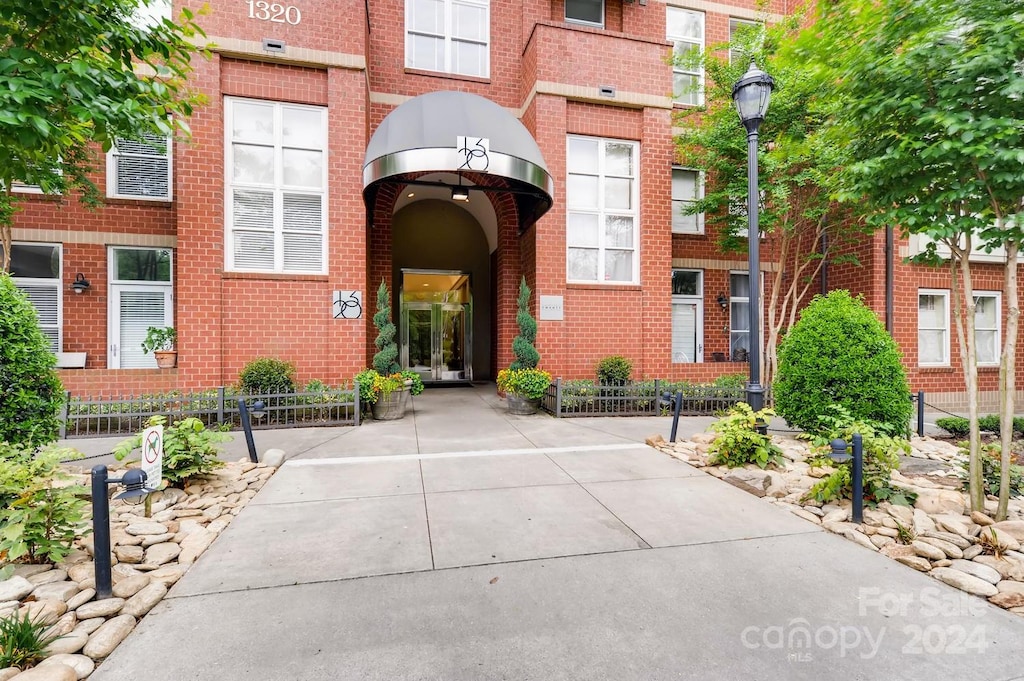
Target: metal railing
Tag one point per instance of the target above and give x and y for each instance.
(647, 398)
(127, 415)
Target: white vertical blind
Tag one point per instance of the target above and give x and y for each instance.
(139, 310)
(45, 298)
(684, 332)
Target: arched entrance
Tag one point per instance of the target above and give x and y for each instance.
(450, 181)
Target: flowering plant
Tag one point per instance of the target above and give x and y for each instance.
(528, 383)
(373, 385)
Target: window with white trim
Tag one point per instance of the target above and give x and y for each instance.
(602, 219)
(36, 272)
(588, 12)
(140, 169)
(737, 28)
(933, 327)
(987, 327)
(739, 316)
(687, 316)
(449, 36)
(276, 203)
(685, 30)
(687, 187)
(140, 295)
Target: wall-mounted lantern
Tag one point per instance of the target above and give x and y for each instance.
(80, 284)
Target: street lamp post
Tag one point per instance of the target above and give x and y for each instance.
(751, 94)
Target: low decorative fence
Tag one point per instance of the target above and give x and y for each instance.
(90, 417)
(645, 398)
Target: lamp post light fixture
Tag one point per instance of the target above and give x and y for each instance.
(751, 95)
(134, 481)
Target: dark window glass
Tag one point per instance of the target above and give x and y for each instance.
(685, 283)
(143, 265)
(35, 261)
(590, 11)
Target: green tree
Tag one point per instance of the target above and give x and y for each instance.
(526, 354)
(30, 391)
(385, 361)
(840, 354)
(804, 224)
(79, 74)
(927, 101)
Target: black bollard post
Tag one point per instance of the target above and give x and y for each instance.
(858, 478)
(243, 412)
(920, 413)
(101, 531)
(677, 407)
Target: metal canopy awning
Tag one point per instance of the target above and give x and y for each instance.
(421, 136)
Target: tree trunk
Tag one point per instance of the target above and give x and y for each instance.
(964, 314)
(1007, 377)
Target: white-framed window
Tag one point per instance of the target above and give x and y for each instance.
(140, 169)
(687, 316)
(602, 219)
(140, 295)
(737, 27)
(685, 30)
(988, 327)
(687, 187)
(276, 180)
(933, 327)
(589, 12)
(739, 316)
(36, 272)
(449, 36)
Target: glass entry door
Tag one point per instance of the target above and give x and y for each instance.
(436, 316)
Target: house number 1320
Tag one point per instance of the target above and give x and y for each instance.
(275, 12)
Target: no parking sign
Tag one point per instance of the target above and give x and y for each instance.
(153, 456)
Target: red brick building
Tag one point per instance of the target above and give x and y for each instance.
(447, 147)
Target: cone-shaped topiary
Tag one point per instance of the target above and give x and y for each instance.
(385, 361)
(527, 356)
(30, 391)
(839, 353)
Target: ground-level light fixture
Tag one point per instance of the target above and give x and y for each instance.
(134, 481)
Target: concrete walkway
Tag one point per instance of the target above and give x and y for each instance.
(463, 543)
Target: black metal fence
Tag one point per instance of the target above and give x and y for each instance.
(127, 415)
(646, 398)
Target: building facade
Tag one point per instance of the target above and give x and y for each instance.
(448, 148)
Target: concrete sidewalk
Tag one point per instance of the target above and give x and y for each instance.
(536, 548)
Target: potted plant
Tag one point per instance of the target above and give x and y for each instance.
(385, 393)
(161, 340)
(523, 388)
(523, 383)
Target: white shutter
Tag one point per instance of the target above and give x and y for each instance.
(684, 332)
(303, 233)
(252, 223)
(139, 310)
(141, 169)
(45, 298)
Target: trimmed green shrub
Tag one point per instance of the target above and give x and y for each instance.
(267, 375)
(957, 426)
(40, 513)
(30, 391)
(385, 362)
(189, 448)
(614, 370)
(839, 353)
(527, 356)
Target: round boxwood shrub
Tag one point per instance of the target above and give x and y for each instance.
(30, 391)
(267, 375)
(614, 370)
(839, 353)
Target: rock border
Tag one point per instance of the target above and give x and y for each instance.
(149, 555)
(939, 535)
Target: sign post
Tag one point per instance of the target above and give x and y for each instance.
(153, 457)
